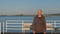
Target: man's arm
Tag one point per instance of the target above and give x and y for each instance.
(44, 26)
(33, 25)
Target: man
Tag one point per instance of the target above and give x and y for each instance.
(39, 23)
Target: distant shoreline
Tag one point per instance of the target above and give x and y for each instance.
(27, 15)
(47, 15)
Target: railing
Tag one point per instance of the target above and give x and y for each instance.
(16, 24)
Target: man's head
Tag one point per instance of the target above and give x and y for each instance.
(39, 12)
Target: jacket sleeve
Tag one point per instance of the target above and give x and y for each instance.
(44, 24)
(33, 24)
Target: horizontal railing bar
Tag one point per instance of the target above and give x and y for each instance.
(13, 20)
(14, 26)
(57, 26)
(52, 20)
(47, 23)
(14, 29)
(30, 23)
(18, 20)
(32, 20)
(14, 23)
(53, 23)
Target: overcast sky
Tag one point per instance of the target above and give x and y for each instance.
(13, 7)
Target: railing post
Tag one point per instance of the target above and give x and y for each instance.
(55, 24)
(23, 27)
(6, 26)
(3, 27)
(55, 27)
(0, 28)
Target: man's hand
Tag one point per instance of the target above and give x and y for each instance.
(44, 32)
(33, 32)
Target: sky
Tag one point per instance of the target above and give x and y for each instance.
(15, 7)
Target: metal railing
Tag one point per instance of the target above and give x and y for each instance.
(9, 24)
(15, 23)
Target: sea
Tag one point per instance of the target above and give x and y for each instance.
(24, 19)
